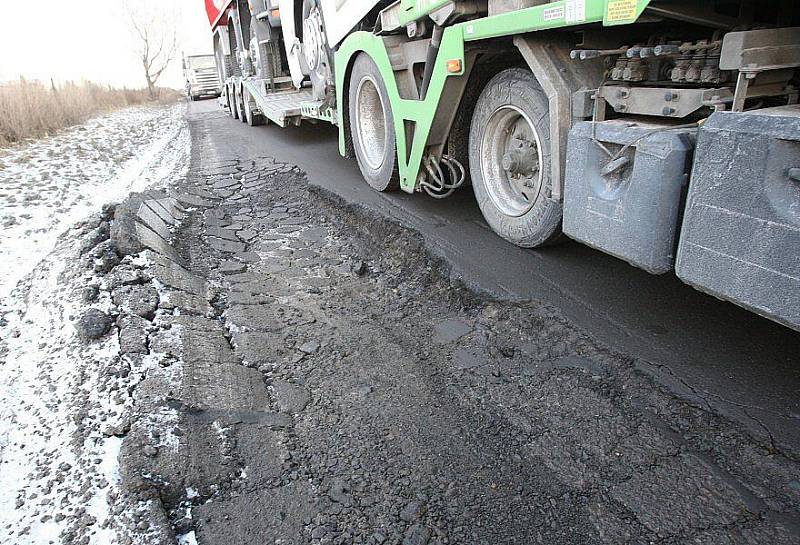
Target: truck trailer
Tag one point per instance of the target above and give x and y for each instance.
(663, 132)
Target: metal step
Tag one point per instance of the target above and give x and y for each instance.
(281, 107)
(317, 110)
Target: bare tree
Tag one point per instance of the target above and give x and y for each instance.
(156, 33)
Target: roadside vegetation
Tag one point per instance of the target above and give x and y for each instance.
(31, 109)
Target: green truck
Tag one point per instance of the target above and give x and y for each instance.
(663, 132)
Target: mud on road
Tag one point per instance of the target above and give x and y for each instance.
(321, 379)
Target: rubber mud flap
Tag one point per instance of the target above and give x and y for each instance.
(741, 231)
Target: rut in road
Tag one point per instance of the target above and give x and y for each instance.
(342, 389)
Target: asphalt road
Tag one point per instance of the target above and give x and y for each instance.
(707, 351)
(303, 370)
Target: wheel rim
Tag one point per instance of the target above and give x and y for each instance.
(371, 123)
(511, 159)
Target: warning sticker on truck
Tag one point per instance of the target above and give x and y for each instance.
(551, 14)
(576, 11)
(621, 10)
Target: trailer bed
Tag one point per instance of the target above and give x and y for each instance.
(287, 107)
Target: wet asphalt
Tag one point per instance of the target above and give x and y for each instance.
(709, 352)
(317, 367)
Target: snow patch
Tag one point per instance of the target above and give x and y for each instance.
(52, 183)
(187, 539)
(64, 404)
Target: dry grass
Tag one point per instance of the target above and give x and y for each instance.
(33, 110)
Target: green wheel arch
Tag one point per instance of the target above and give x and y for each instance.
(420, 112)
(552, 15)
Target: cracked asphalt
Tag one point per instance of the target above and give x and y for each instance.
(711, 352)
(313, 372)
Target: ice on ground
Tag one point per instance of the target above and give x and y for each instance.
(64, 403)
(51, 183)
(187, 539)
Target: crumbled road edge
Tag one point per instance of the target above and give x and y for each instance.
(339, 387)
(67, 391)
(49, 184)
(67, 374)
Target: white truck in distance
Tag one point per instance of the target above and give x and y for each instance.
(202, 79)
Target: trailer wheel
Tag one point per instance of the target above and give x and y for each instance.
(234, 103)
(238, 107)
(261, 54)
(252, 119)
(372, 126)
(240, 98)
(509, 157)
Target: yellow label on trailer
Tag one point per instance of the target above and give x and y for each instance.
(621, 11)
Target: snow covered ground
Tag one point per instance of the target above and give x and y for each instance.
(63, 401)
(50, 184)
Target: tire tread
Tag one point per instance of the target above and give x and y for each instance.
(384, 179)
(541, 226)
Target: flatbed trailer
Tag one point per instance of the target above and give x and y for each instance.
(664, 132)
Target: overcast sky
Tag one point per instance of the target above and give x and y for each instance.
(92, 39)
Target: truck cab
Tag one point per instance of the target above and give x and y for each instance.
(201, 76)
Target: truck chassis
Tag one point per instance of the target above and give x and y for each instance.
(664, 132)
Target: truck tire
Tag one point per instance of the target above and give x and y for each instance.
(317, 52)
(240, 96)
(229, 66)
(251, 118)
(261, 56)
(509, 157)
(238, 112)
(234, 102)
(372, 126)
(223, 65)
